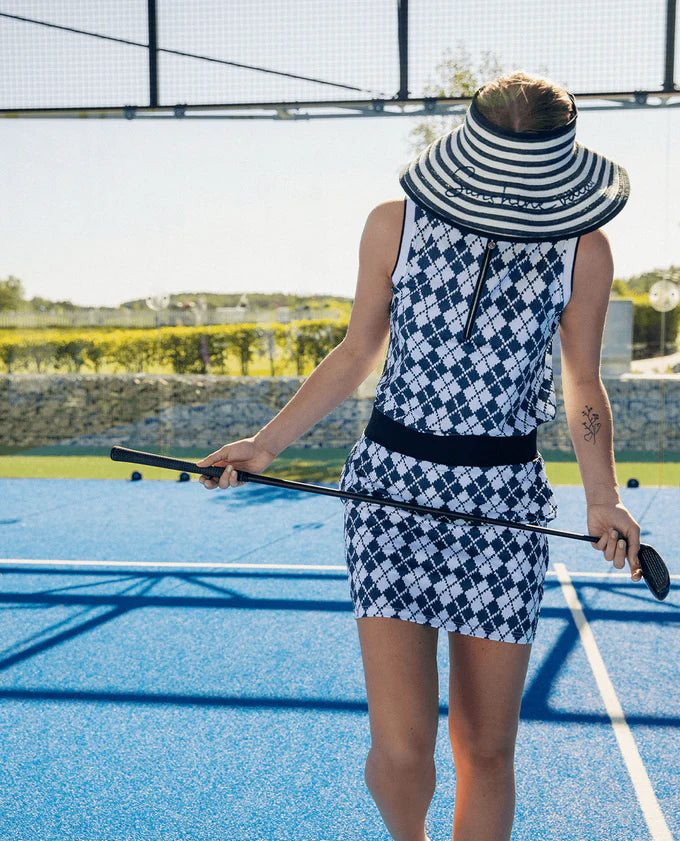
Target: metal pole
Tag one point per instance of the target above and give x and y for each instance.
(662, 426)
(402, 17)
(663, 334)
(153, 55)
(669, 64)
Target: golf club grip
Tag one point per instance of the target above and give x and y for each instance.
(154, 460)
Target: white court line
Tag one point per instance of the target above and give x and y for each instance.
(656, 823)
(588, 574)
(164, 564)
(221, 565)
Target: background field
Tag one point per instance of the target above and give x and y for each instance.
(308, 464)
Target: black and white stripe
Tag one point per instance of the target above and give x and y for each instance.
(516, 186)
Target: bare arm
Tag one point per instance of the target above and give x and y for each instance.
(586, 402)
(591, 426)
(585, 398)
(347, 365)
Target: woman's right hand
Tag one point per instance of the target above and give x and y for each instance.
(244, 454)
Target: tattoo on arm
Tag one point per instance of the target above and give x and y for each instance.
(591, 424)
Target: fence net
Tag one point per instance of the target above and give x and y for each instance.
(79, 54)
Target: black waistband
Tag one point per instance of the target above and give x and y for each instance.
(472, 450)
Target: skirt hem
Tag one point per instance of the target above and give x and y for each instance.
(449, 625)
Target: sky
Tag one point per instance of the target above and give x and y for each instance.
(100, 212)
(103, 211)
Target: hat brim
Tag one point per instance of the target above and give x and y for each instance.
(488, 194)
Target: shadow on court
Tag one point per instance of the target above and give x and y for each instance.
(137, 595)
(155, 701)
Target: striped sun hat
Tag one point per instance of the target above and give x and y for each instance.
(513, 185)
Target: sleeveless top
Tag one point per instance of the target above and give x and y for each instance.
(506, 296)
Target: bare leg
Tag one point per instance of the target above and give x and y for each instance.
(402, 685)
(485, 693)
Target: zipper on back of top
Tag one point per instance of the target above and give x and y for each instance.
(478, 288)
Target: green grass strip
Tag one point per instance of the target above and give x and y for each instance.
(305, 465)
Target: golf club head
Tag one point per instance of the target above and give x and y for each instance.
(654, 571)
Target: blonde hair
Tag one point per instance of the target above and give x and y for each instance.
(522, 102)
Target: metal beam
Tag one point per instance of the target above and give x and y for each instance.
(415, 107)
(153, 54)
(669, 65)
(402, 26)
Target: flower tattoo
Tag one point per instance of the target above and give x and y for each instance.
(592, 425)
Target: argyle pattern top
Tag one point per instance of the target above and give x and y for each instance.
(500, 380)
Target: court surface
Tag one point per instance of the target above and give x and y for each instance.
(184, 664)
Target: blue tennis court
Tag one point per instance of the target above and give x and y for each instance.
(178, 664)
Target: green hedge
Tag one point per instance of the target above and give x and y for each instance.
(300, 345)
(647, 329)
(186, 350)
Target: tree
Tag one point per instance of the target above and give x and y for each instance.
(11, 293)
(456, 79)
(642, 283)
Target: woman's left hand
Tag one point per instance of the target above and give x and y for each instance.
(613, 521)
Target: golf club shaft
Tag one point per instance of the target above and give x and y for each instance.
(153, 460)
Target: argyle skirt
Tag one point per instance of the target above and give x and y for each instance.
(477, 579)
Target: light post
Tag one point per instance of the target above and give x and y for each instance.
(200, 310)
(663, 296)
(157, 302)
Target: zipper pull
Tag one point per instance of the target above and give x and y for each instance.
(478, 288)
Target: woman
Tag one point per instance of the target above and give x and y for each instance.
(497, 244)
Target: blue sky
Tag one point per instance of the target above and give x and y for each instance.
(101, 211)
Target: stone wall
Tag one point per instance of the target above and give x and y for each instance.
(151, 412)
